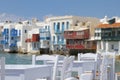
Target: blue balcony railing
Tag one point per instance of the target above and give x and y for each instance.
(58, 31)
(13, 45)
(44, 38)
(4, 42)
(13, 33)
(61, 42)
(44, 30)
(58, 42)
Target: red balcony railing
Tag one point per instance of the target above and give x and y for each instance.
(35, 38)
(75, 46)
(76, 34)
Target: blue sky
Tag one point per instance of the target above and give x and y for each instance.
(41, 8)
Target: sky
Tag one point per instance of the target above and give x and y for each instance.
(42, 8)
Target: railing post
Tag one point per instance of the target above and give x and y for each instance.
(116, 76)
(33, 59)
(2, 63)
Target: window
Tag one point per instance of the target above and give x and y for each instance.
(112, 46)
(118, 33)
(95, 34)
(25, 31)
(62, 39)
(113, 32)
(19, 32)
(53, 39)
(63, 26)
(12, 38)
(54, 25)
(98, 34)
(67, 25)
(34, 45)
(7, 30)
(45, 27)
(58, 26)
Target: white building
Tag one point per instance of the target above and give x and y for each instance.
(23, 27)
(57, 27)
(9, 34)
(38, 39)
(15, 35)
(107, 35)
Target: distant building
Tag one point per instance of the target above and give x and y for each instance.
(52, 34)
(107, 35)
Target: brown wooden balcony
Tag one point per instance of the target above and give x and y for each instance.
(76, 34)
(35, 38)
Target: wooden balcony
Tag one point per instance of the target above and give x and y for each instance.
(76, 34)
(35, 38)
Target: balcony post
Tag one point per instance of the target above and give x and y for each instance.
(107, 46)
(98, 46)
(119, 46)
(102, 45)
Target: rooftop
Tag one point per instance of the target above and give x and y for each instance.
(114, 25)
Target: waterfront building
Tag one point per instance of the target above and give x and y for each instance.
(107, 35)
(38, 39)
(48, 35)
(80, 37)
(23, 28)
(9, 34)
(14, 35)
(33, 41)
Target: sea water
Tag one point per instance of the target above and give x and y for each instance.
(16, 58)
(13, 58)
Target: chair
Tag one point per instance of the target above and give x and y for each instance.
(52, 60)
(67, 67)
(108, 66)
(93, 61)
